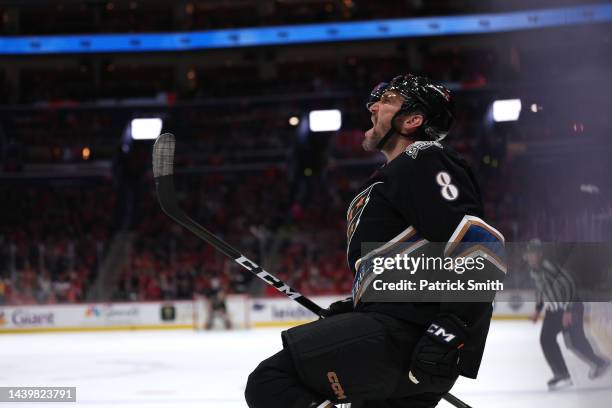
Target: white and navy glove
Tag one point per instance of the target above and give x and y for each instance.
(435, 360)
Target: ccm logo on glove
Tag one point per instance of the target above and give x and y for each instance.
(440, 332)
(435, 359)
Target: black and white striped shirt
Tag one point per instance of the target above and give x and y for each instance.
(555, 288)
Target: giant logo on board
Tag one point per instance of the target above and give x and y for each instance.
(22, 317)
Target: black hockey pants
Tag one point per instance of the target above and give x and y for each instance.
(362, 358)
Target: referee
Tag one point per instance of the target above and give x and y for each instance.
(564, 313)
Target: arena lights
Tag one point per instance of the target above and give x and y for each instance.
(325, 120)
(589, 188)
(506, 110)
(145, 128)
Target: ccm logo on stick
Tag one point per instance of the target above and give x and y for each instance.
(335, 385)
(272, 280)
(440, 332)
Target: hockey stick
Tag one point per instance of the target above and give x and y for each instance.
(163, 171)
(163, 164)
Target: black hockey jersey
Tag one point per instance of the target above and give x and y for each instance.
(426, 194)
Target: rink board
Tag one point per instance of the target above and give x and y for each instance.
(245, 311)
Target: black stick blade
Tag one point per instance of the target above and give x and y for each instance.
(163, 155)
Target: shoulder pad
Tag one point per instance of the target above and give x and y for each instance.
(474, 237)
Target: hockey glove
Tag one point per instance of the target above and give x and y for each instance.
(435, 359)
(341, 306)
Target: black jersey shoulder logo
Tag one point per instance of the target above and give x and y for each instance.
(414, 149)
(356, 208)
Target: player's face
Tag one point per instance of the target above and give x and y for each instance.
(381, 114)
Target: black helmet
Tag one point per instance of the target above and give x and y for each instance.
(376, 94)
(433, 100)
(421, 95)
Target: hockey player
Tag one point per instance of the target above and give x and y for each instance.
(400, 354)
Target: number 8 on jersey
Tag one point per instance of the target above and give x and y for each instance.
(449, 191)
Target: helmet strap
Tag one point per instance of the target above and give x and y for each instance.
(391, 132)
(385, 139)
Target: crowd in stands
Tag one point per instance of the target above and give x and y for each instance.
(56, 235)
(43, 136)
(53, 236)
(263, 203)
(301, 241)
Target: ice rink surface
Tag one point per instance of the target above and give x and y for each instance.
(175, 369)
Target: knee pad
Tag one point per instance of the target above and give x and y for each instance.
(275, 384)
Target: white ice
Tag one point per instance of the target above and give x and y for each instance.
(175, 369)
